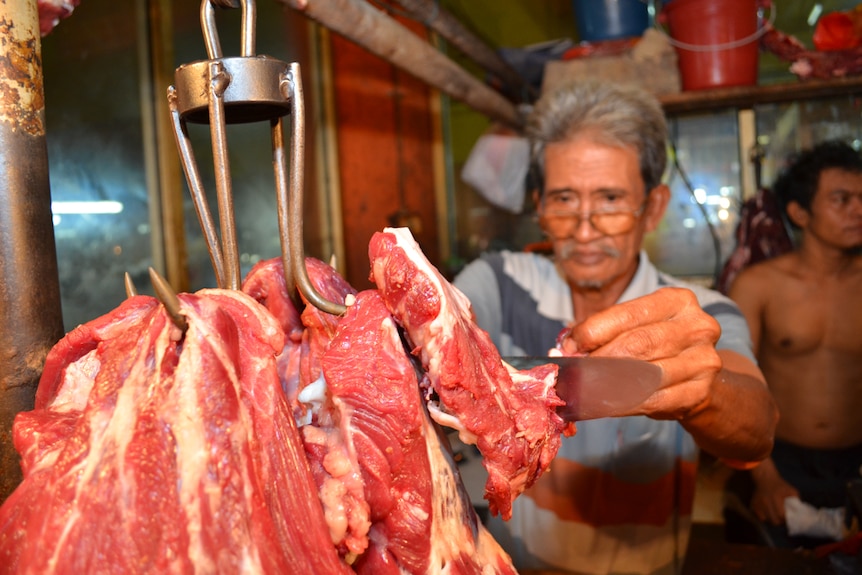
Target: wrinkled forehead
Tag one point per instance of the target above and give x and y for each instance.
(585, 165)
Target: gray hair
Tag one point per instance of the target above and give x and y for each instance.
(613, 114)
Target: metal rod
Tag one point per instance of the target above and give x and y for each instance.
(378, 33)
(196, 188)
(279, 163)
(218, 83)
(31, 319)
(444, 23)
(293, 83)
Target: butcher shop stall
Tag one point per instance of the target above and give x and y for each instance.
(229, 339)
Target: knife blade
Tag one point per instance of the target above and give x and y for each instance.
(596, 387)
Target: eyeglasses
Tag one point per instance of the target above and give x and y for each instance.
(609, 221)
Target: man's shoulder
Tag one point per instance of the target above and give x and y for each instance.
(766, 274)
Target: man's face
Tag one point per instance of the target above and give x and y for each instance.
(583, 177)
(836, 210)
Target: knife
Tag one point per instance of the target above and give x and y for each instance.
(596, 387)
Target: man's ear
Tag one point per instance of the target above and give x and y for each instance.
(656, 204)
(797, 214)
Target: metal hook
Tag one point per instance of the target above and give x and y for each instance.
(293, 256)
(251, 88)
(169, 299)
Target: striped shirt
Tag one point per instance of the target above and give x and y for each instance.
(618, 497)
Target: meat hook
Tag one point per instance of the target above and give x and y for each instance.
(131, 290)
(169, 299)
(249, 88)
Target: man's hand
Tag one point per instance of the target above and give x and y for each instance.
(667, 328)
(770, 491)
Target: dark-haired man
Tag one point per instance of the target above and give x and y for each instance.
(804, 309)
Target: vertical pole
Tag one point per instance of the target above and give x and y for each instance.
(31, 319)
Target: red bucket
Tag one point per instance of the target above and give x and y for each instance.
(716, 41)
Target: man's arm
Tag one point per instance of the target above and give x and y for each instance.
(737, 420)
(719, 396)
(770, 489)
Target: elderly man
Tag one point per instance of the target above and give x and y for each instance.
(618, 497)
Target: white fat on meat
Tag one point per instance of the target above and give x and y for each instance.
(77, 382)
(312, 397)
(446, 419)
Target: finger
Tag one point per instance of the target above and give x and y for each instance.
(686, 384)
(662, 340)
(674, 311)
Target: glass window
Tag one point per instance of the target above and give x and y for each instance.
(697, 232)
(783, 129)
(104, 222)
(95, 153)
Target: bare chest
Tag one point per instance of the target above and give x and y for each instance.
(810, 318)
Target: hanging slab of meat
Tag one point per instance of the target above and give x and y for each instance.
(761, 234)
(52, 11)
(807, 63)
(154, 451)
(509, 415)
(265, 283)
(393, 495)
(422, 518)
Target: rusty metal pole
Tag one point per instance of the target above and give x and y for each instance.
(31, 319)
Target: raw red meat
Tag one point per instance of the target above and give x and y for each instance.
(333, 464)
(265, 283)
(153, 450)
(52, 11)
(422, 518)
(512, 420)
(179, 453)
(761, 234)
(806, 63)
(385, 475)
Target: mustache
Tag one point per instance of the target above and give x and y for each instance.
(565, 250)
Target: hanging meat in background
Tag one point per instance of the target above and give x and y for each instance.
(761, 233)
(836, 50)
(259, 439)
(52, 11)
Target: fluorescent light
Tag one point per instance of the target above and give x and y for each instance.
(96, 207)
(816, 10)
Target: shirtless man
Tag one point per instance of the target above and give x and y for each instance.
(804, 310)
